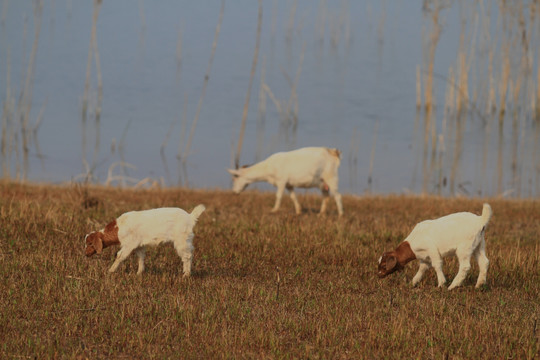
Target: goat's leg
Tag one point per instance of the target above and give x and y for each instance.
(437, 265)
(337, 198)
(141, 252)
(483, 263)
(120, 256)
(297, 207)
(331, 186)
(279, 195)
(326, 198)
(421, 270)
(464, 267)
(184, 249)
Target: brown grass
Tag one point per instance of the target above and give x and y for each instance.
(55, 303)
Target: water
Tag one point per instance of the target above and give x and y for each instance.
(358, 75)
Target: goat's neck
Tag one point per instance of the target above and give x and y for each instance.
(258, 172)
(404, 253)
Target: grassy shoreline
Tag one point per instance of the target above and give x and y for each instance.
(328, 303)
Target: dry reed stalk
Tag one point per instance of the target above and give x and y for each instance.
(458, 150)
(514, 157)
(35, 130)
(354, 148)
(293, 100)
(503, 91)
(471, 59)
(290, 23)
(5, 7)
(162, 151)
(91, 49)
(448, 107)
(500, 153)
(205, 83)
(179, 55)
(276, 102)
(483, 51)
(183, 126)
(416, 148)
(505, 76)
(6, 122)
(428, 119)
(442, 150)
(525, 77)
(538, 83)
(418, 88)
(485, 151)
(121, 143)
(182, 172)
(143, 23)
(261, 114)
(99, 92)
(462, 98)
(273, 27)
(25, 103)
(248, 95)
(433, 143)
(372, 157)
(321, 20)
(24, 39)
(380, 35)
(491, 104)
(434, 39)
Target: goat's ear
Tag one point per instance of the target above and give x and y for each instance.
(391, 262)
(97, 243)
(233, 172)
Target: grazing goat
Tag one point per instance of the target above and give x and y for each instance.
(136, 229)
(461, 234)
(307, 167)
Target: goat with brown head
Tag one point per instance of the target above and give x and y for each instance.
(460, 234)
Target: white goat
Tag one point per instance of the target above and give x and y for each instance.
(461, 234)
(136, 229)
(306, 167)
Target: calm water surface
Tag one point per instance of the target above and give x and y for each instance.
(355, 61)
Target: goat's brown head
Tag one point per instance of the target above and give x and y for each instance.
(94, 243)
(388, 263)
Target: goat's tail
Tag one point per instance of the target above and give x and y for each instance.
(486, 213)
(334, 152)
(195, 213)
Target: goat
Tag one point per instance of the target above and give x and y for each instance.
(306, 168)
(136, 229)
(461, 234)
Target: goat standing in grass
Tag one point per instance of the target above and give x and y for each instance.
(306, 168)
(136, 229)
(461, 234)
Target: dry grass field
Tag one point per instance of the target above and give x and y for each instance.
(327, 304)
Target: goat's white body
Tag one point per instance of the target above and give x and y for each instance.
(460, 234)
(305, 168)
(137, 229)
